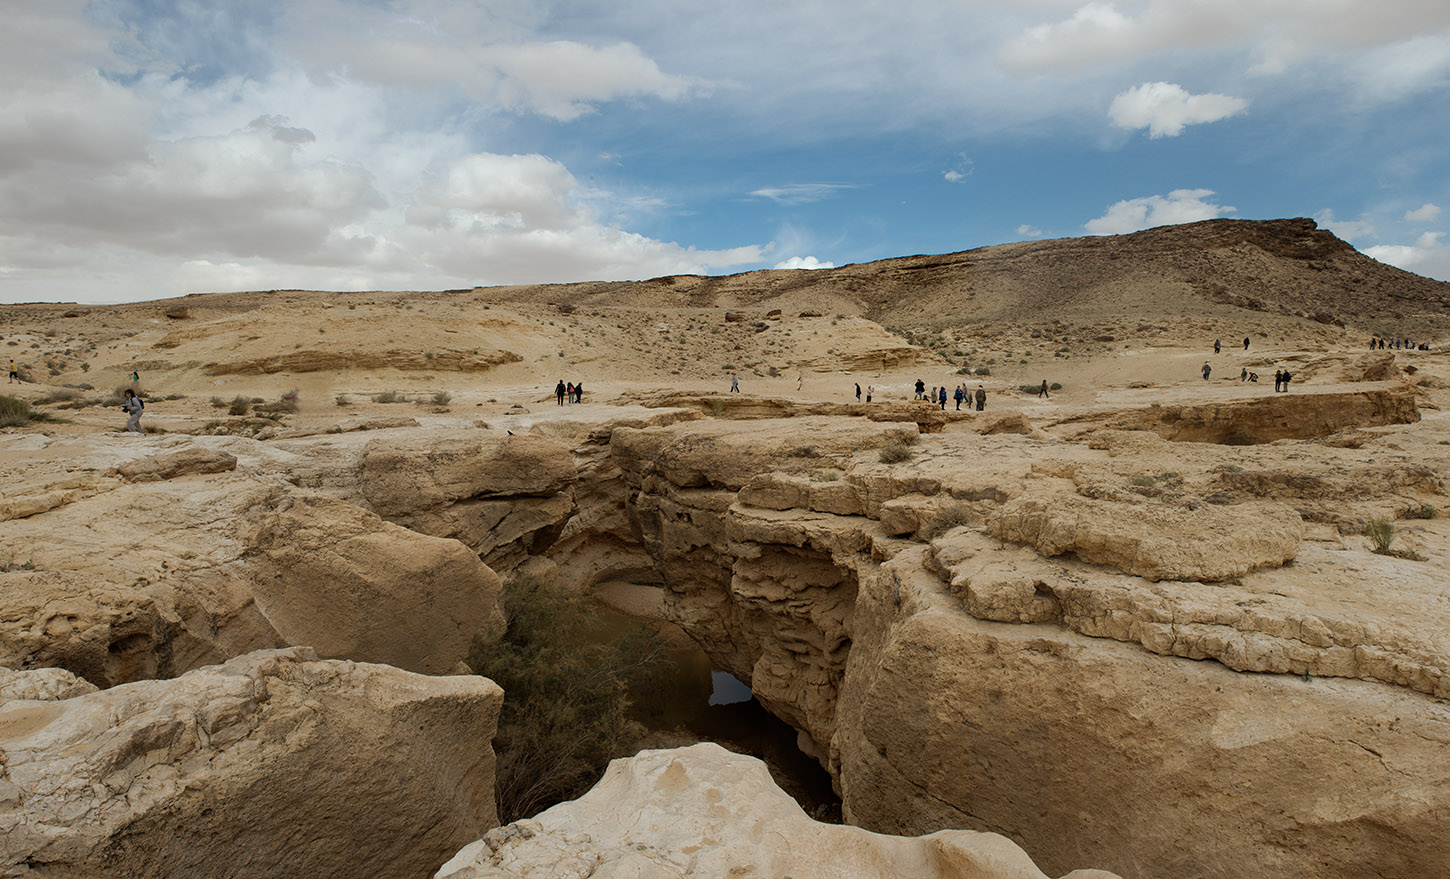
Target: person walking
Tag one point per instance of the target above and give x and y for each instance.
(559, 391)
(858, 392)
(1206, 370)
(1278, 378)
(14, 373)
(941, 394)
(1246, 343)
(870, 389)
(734, 383)
(920, 389)
(1217, 345)
(133, 407)
(957, 395)
(1287, 376)
(981, 398)
(1043, 392)
(578, 392)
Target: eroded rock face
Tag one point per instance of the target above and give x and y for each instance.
(852, 594)
(273, 764)
(1301, 414)
(703, 811)
(153, 579)
(1030, 727)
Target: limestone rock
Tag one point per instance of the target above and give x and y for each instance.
(1157, 541)
(399, 478)
(180, 463)
(152, 579)
(703, 811)
(274, 764)
(41, 685)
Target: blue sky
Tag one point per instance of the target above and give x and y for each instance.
(150, 149)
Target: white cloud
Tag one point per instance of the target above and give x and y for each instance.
(1179, 206)
(1349, 230)
(1027, 231)
(807, 262)
(1425, 213)
(1427, 256)
(800, 193)
(1165, 108)
(954, 176)
(1279, 32)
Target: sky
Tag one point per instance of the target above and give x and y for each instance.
(153, 148)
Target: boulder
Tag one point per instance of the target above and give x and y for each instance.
(273, 764)
(185, 462)
(703, 811)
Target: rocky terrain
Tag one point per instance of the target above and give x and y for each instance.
(1152, 623)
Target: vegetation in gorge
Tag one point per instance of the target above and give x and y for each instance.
(566, 706)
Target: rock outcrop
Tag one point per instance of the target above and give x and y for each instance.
(703, 811)
(273, 764)
(1303, 414)
(152, 579)
(1038, 611)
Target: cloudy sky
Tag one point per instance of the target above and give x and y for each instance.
(151, 148)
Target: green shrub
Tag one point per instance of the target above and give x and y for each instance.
(390, 397)
(1381, 532)
(1423, 511)
(442, 398)
(15, 412)
(567, 710)
(239, 405)
(951, 516)
(895, 453)
(1055, 386)
(981, 370)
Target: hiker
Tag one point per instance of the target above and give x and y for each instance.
(858, 392)
(1278, 378)
(957, 395)
(870, 389)
(1043, 393)
(1254, 377)
(135, 378)
(800, 381)
(920, 389)
(1246, 343)
(1244, 375)
(1287, 376)
(578, 392)
(1217, 345)
(569, 392)
(981, 398)
(734, 383)
(559, 391)
(132, 406)
(1206, 370)
(942, 397)
(14, 373)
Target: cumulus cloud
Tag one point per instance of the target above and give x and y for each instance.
(800, 193)
(1347, 229)
(1165, 108)
(803, 262)
(1427, 256)
(1425, 213)
(1179, 206)
(1027, 231)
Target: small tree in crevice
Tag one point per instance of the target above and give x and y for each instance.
(566, 702)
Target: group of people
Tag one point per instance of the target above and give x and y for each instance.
(1398, 344)
(1218, 346)
(960, 394)
(571, 391)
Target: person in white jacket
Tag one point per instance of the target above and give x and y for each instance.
(134, 407)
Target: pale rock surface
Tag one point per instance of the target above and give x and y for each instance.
(273, 764)
(41, 685)
(153, 579)
(194, 460)
(703, 811)
(1158, 541)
